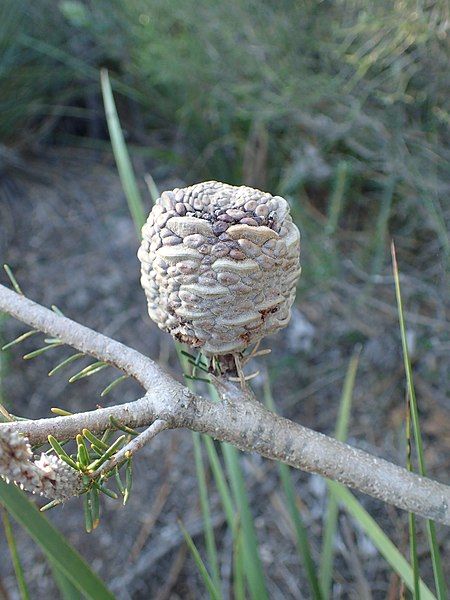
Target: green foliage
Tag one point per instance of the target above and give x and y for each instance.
(213, 590)
(339, 494)
(331, 517)
(377, 536)
(439, 578)
(299, 98)
(301, 532)
(20, 576)
(57, 549)
(247, 564)
(280, 95)
(121, 155)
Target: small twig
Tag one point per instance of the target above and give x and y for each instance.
(132, 447)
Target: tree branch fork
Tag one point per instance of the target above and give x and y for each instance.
(249, 426)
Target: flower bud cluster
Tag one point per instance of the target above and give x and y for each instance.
(48, 476)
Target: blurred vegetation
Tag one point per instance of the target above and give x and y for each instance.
(295, 97)
(342, 106)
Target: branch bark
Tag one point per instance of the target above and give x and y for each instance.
(247, 425)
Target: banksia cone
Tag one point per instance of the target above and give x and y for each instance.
(48, 476)
(219, 265)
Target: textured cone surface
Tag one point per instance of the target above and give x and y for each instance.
(219, 265)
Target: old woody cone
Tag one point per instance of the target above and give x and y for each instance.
(219, 265)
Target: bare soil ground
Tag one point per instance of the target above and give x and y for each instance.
(66, 232)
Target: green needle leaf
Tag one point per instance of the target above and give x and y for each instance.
(118, 425)
(66, 362)
(119, 481)
(95, 507)
(105, 490)
(61, 452)
(40, 351)
(19, 339)
(89, 370)
(113, 384)
(50, 505)
(88, 517)
(82, 455)
(94, 440)
(107, 455)
(192, 378)
(12, 279)
(60, 412)
(128, 481)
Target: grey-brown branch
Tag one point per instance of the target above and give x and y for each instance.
(246, 425)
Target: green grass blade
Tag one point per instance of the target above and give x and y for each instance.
(411, 516)
(152, 188)
(341, 431)
(66, 587)
(381, 226)
(238, 568)
(413, 555)
(53, 544)
(329, 532)
(300, 531)
(20, 576)
(221, 482)
(301, 534)
(328, 536)
(253, 566)
(210, 541)
(121, 155)
(201, 478)
(337, 198)
(385, 546)
(254, 571)
(252, 560)
(441, 588)
(214, 592)
(78, 66)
